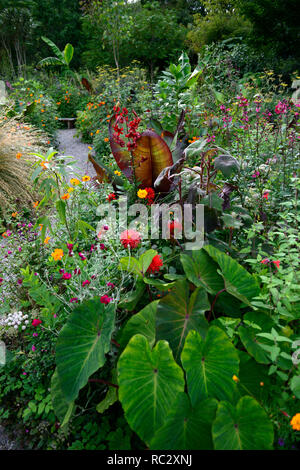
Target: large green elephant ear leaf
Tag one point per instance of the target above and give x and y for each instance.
(210, 365)
(178, 313)
(244, 427)
(187, 428)
(68, 53)
(149, 381)
(63, 409)
(201, 270)
(82, 345)
(143, 323)
(238, 282)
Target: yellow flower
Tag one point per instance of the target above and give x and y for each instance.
(235, 378)
(19, 155)
(97, 131)
(46, 241)
(261, 384)
(142, 193)
(295, 422)
(57, 254)
(65, 196)
(86, 178)
(118, 173)
(70, 190)
(74, 181)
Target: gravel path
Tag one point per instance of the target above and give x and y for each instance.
(70, 145)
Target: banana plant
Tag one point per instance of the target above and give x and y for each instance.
(62, 58)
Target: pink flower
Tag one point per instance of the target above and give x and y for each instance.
(102, 246)
(280, 108)
(33, 348)
(20, 282)
(70, 246)
(82, 256)
(74, 299)
(1, 280)
(277, 263)
(130, 238)
(86, 283)
(36, 322)
(105, 299)
(66, 276)
(35, 334)
(77, 271)
(110, 284)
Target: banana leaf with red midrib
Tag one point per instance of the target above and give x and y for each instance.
(150, 157)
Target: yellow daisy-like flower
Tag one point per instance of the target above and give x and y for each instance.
(65, 196)
(46, 241)
(142, 193)
(74, 181)
(118, 173)
(235, 378)
(295, 422)
(86, 178)
(70, 190)
(57, 254)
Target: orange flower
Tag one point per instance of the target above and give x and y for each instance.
(65, 196)
(44, 165)
(46, 241)
(35, 204)
(235, 378)
(74, 181)
(295, 422)
(14, 214)
(57, 254)
(41, 227)
(19, 155)
(86, 178)
(106, 139)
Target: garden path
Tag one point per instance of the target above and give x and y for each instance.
(69, 144)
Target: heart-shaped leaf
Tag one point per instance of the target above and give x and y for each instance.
(142, 323)
(82, 345)
(149, 381)
(210, 365)
(187, 428)
(244, 427)
(201, 270)
(238, 282)
(227, 165)
(63, 409)
(178, 313)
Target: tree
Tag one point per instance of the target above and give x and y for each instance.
(155, 36)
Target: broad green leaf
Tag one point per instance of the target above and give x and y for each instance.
(226, 164)
(244, 427)
(251, 376)
(238, 282)
(111, 396)
(131, 265)
(130, 301)
(68, 53)
(295, 385)
(141, 323)
(195, 148)
(61, 209)
(149, 381)
(63, 409)
(54, 48)
(82, 345)
(178, 313)
(253, 344)
(210, 365)
(146, 259)
(201, 270)
(187, 428)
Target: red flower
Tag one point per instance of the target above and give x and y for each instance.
(36, 322)
(86, 283)
(266, 195)
(150, 196)
(66, 276)
(111, 197)
(174, 225)
(277, 263)
(105, 299)
(265, 261)
(155, 265)
(130, 238)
